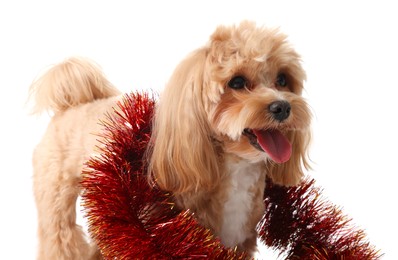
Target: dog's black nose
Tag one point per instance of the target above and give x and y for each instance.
(280, 110)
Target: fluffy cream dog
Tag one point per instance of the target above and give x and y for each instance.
(231, 114)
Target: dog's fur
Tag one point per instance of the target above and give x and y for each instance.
(200, 148)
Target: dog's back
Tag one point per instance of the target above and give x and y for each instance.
(78, 94)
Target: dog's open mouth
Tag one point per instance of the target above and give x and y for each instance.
(271, 141)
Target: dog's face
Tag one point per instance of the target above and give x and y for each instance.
(253, 93)
(239, 94)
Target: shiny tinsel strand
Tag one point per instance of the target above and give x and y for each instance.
(303, 225)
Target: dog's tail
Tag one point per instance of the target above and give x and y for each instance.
(70, 83)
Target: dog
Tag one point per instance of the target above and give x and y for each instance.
(230, 116)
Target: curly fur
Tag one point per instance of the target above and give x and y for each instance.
(79, 94)
(198, 150)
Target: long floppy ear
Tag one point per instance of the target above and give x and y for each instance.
(181, 154)
(291, 172)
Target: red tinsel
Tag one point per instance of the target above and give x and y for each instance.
(301, 224)
(129, 219)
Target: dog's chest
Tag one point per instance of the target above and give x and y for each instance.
(244, 177)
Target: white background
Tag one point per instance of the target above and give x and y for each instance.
(350, 54)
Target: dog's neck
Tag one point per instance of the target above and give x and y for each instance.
(233, 209)
(243, 206)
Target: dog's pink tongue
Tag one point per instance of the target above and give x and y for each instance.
(275, 144)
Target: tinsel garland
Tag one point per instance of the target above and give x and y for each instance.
(129, 219)
(300, 223)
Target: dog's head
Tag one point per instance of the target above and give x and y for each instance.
(239, 94)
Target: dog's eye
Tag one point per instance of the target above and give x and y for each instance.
(237, 82)
(281, 80)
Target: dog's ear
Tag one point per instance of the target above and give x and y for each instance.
(291, 172)
(181, 154)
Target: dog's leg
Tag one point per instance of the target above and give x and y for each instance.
(56, 190)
